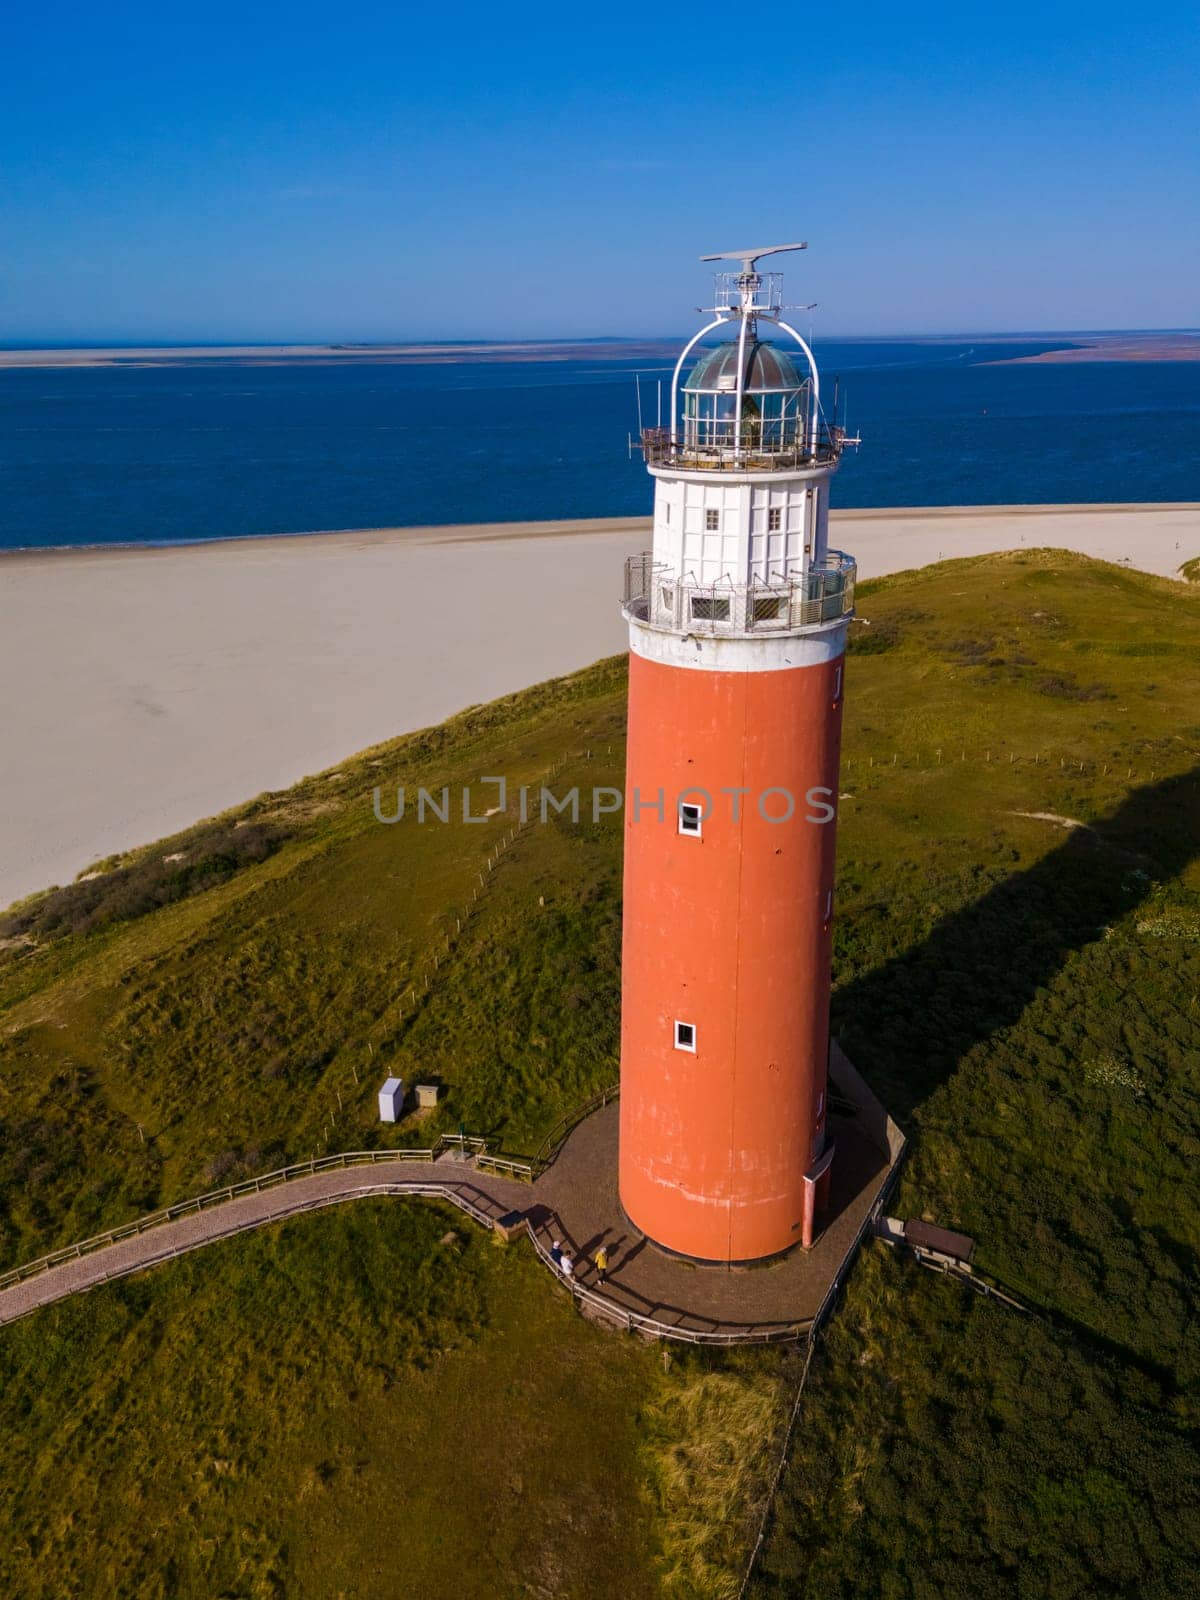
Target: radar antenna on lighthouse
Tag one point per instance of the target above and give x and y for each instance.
(748, 258)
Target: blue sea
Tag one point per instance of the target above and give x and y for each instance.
(212, 450)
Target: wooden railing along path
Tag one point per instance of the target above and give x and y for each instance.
(494, 1190)
(567, 1123)
(476, 1148)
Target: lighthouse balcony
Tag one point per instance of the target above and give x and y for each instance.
(676, 602)
(759, 445)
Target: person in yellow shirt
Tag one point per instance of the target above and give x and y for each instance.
(601, 1260)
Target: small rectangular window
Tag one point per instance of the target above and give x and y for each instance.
(667, 512)
(768, 608)
(828, 905)
(774, 519)
(691, 819)
(837, 683)
(712, 519)
(685, 1036)
(710, 608)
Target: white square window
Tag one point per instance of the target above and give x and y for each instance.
(712, 519)
(691, 819)
(685, 1036)
(775, 519)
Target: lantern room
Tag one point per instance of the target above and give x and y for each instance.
(776, 399)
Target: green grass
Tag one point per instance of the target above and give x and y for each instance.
(371, 1401)
(1022, 992)
(349, 1386)
(714, 1440)
(374, 1400)
(1190, 570)
(1025, 996)
(951, 1449)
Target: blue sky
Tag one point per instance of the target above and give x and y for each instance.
(271, 172)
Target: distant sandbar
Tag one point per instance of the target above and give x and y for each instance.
(1062, 347)
(1118, 347)
(265, 355)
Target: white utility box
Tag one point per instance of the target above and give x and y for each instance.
(391, 1100)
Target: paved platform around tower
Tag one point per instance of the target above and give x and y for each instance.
(575, 1202)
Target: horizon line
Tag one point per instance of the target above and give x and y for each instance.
(27, 346)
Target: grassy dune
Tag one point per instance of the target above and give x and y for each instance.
(1018, 962)
(1017, 952)
(147, 1056)
(371, 1402)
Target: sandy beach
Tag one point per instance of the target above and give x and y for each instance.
(144, 689)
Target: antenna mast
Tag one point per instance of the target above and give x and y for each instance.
(739, 293)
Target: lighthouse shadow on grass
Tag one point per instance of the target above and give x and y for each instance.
(909, 1023)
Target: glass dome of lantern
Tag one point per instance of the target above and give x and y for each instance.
(775, 399)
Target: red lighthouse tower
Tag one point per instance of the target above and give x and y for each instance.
(737, 630)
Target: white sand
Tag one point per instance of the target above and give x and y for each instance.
(141, 690)
(1156, 538)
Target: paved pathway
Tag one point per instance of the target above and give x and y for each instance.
(484, 1196)
(574, 1201)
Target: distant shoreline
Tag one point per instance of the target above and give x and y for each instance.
(467, 533)
(337, 354)
(1178, 345)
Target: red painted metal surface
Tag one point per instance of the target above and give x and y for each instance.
(729, 932)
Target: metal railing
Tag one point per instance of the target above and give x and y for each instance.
(458, 1192)
(717, 445)
(267, 1180)
(642, 1322)
(680, 603)
(450, 1190)
(764, 288)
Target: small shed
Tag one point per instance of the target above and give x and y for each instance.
(427, 1096)
(391, 1100)
(940, 1243)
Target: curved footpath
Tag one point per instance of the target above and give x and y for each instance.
(574, 1202)
(483, 1197)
